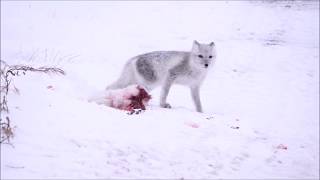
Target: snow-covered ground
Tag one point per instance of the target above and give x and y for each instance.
(265, 82)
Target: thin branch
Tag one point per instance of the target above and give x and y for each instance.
(7, 73)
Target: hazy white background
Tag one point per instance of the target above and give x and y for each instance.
(266, 82)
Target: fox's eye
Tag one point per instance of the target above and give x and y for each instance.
(210, 57)
(200, 56)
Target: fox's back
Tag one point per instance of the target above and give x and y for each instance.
(155, 65)
(162, 57)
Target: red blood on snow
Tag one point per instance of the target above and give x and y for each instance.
(139, 101)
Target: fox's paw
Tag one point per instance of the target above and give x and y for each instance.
(166, 105)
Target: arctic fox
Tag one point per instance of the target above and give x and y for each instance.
(164, 68)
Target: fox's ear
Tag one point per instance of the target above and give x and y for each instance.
(195, 46)
(212, 44)
(195, 42)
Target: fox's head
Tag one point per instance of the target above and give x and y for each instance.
(203, 55)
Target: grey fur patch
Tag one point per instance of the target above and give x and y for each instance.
(181, 68)
(145, 68)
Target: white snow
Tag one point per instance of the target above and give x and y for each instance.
(266, 82)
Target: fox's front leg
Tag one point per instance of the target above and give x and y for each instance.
(164, 92)
(196, 97)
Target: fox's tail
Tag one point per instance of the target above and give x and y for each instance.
(126, 78)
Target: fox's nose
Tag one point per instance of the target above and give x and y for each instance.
(206, 65)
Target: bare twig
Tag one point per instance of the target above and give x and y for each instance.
(7, 73)
(6, 131)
